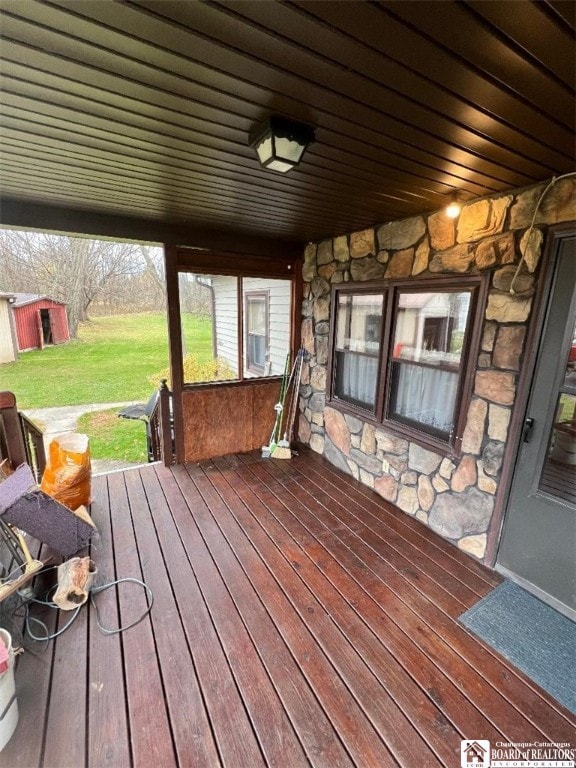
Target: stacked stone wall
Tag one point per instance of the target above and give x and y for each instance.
(454, 495)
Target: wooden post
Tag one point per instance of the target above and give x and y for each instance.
(166, 429)
(11, 430)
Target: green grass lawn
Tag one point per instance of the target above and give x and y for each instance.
(111, 361)
(114, 438)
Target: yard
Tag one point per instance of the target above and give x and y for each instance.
(114, 359)
(110, 361)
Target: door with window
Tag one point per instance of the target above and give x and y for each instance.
(538, 543)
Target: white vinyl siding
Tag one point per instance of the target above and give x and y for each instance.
(226, 318)
(279, 298)
(7, 346)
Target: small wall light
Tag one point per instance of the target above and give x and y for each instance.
(280, 143)
(454, 206)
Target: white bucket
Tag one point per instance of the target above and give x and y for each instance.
(8, 702)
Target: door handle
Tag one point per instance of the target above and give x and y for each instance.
(527, 430)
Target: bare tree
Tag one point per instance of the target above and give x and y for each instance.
(77, 271)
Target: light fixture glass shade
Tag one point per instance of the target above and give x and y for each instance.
(280, 143)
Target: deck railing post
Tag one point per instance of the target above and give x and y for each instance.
(34, 444)
(166, 427)
(21, 442)
(12, 444)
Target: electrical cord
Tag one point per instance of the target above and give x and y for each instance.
(549, 186)
(116, 630)
(47, 603)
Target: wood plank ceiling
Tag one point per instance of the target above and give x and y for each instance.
(143, 108)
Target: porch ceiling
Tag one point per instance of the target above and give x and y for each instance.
(142, 109)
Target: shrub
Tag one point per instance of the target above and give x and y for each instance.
(216, 369)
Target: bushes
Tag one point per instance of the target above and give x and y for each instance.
(195, 371)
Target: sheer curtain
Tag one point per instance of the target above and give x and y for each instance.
(425, 395)
(356, 377)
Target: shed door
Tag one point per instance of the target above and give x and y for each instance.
(58, 325)
(538, 543)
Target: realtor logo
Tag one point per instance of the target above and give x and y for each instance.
(475, 754)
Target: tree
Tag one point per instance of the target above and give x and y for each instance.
(77, 271)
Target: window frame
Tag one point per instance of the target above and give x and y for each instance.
(366, 290)
(265, 297)
(379, 416)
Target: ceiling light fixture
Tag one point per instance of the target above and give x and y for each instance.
(280, 143)
(454, 206)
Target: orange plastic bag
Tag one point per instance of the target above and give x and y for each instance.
(67, 475)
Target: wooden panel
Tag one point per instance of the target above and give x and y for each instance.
(223, 419)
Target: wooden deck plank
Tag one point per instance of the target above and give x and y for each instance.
(430, 700)
(109, 741)
(244, 724)
(348, 519)
(193, 741)
(499, 673)
(373, 713)
(33, 677)
(300, 620)
(206, 658)
(150, 733)
(462, 567)
(321, 742)
(66, 710)
(542, 715)
(300, 554)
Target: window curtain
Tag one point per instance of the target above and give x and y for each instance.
(356, 378)
(425, 395)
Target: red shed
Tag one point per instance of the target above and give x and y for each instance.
(40, 321)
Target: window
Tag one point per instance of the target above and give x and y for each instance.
(429, 331)
(401, 354)
(358, 327)
(233, 327)
(256, 311)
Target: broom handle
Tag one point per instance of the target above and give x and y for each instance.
(294, 401)
(278, 420)
(285, 394)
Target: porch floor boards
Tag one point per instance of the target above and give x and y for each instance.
(298, 620)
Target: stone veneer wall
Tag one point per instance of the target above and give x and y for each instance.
(454, 496)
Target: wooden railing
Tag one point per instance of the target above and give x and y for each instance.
(34, 444)
(161, 428)
(20, 439)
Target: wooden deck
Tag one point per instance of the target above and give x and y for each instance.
(298, 620)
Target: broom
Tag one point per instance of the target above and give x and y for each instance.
(279, 408)
(282, 450)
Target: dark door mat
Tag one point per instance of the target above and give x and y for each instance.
(532, 635)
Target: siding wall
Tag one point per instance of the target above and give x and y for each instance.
(8, 351)
(226, 310)
(279, 292)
